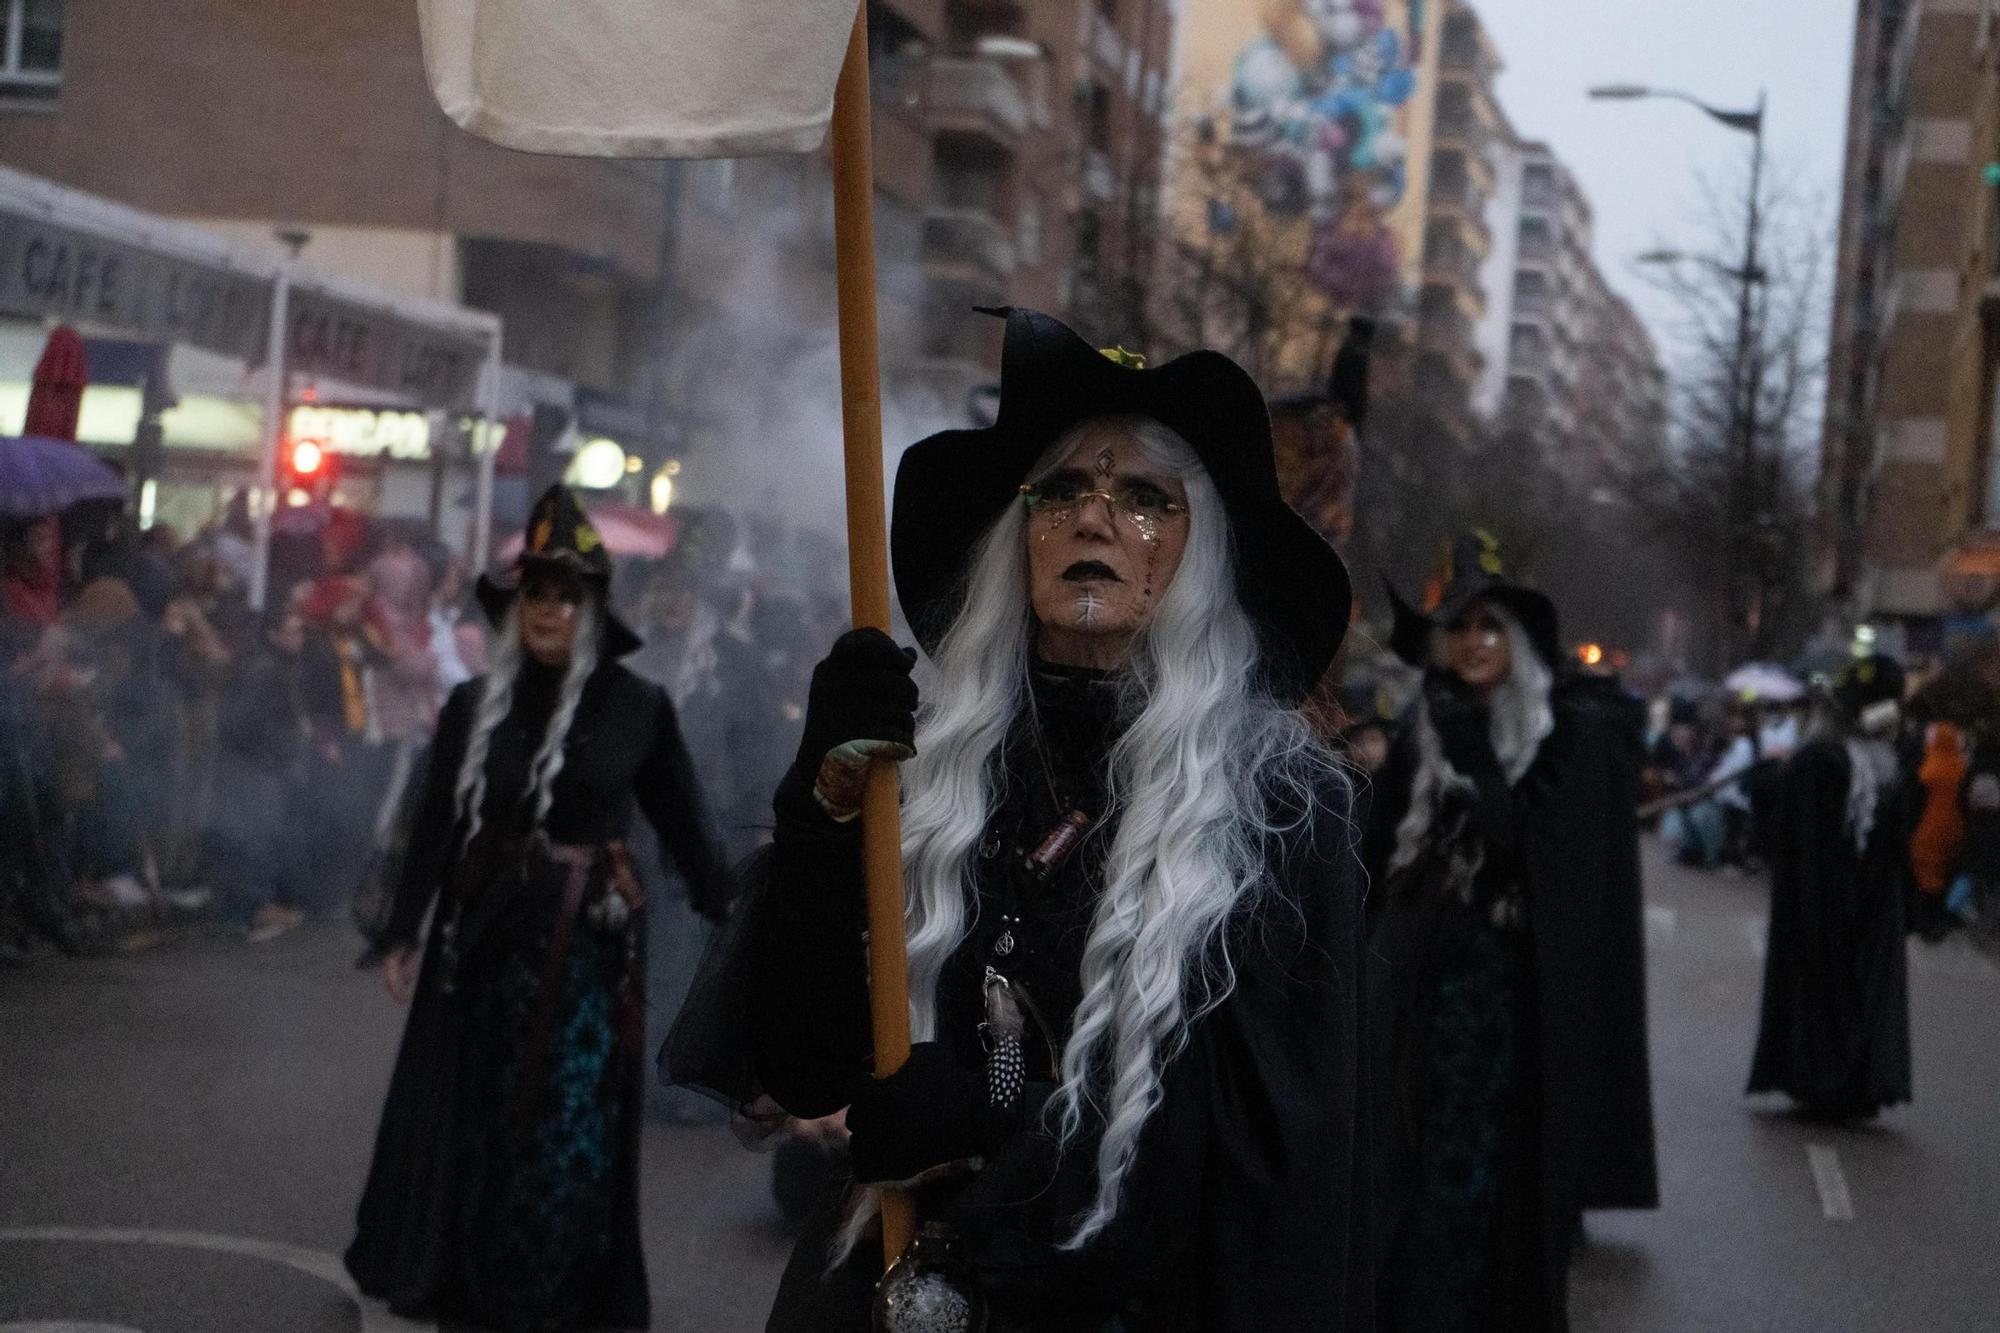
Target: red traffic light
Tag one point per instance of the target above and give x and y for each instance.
(308, 457)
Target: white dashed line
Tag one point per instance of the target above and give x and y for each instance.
(1834, 1201)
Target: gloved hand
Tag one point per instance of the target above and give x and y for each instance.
(1462, 723)
(931, 1111)
(862, 706)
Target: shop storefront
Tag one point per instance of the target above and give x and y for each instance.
(178, 327)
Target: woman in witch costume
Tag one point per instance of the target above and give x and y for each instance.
(1835, 1029)
(504, 1189)
(1503, 847)
(1135, 932)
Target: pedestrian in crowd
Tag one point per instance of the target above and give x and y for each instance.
(116, 736)
(1940, 833)
(1137, 1094)
(1778, 731)
(1834, 1033)
(1504, 848)
(1731, 777)
(34, 870)
(347, 765)
(458, 648)
(205, 625)
(1974, 896)
(251, 844)
(504, 1186)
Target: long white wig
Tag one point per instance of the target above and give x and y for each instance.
(1520, 718)
(496, 698)
(1206, 770)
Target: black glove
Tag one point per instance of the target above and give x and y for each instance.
(931, 1111)
(1461, 721)
(862, 706)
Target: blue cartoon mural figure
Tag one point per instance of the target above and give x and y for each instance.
(1313, 101)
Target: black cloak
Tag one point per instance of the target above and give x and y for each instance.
(505, 1181)
(1834, 1032)
(1578, 843)
(1247, 1209)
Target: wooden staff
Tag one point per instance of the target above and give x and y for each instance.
(868, 567)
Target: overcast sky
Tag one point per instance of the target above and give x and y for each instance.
(1641, 162)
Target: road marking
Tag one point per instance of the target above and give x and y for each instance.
(314, 1263)
(1660, 923)
(1823, 1159)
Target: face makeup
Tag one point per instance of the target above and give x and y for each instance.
(1106, 531)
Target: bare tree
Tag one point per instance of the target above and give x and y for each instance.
(1730, 488)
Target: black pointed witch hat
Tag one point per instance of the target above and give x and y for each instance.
(560, 536)
(1476, 574)
(953, 485)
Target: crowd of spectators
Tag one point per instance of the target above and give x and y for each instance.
(173, 757)
(1711, 763)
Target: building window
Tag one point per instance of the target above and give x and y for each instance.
(31, 40)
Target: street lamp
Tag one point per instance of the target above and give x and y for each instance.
(1670, 258)
(1746, 369)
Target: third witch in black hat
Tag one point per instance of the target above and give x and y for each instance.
(1136, 1100)
(504, 1189)
(1503, 847)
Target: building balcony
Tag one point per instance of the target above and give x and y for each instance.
(1446, 339)
(968, 244)
(1446, 261)
(1459, 217)
(975, 96)
(1530, 357)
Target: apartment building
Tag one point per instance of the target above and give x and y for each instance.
(1908, 433)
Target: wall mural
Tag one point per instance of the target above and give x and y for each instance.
(1317, 99)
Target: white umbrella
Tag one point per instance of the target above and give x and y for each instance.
(1762, 680)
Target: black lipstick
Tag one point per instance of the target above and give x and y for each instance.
(1085, 571)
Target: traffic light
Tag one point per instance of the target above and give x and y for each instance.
(307, 471)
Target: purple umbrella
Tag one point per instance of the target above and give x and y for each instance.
(39, 475)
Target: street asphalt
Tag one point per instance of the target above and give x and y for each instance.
(183, 1134)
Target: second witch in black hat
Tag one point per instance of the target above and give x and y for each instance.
(504, 1188)
(1135, 940)
(1503, 846)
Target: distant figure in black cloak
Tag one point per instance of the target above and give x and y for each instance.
(1505, 909)
(504, 1190)
(1835, 1032)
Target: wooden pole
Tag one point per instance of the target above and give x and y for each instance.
(868, 566)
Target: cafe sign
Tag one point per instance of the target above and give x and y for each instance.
(52, 271)
(331, 337)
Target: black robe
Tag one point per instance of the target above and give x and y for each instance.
(504, 1186)
(1247, 1209)
(1834, 1034)
(1572, 983)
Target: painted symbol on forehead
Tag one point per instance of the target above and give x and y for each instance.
(1105, 461)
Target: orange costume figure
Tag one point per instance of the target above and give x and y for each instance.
(1940, 833)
